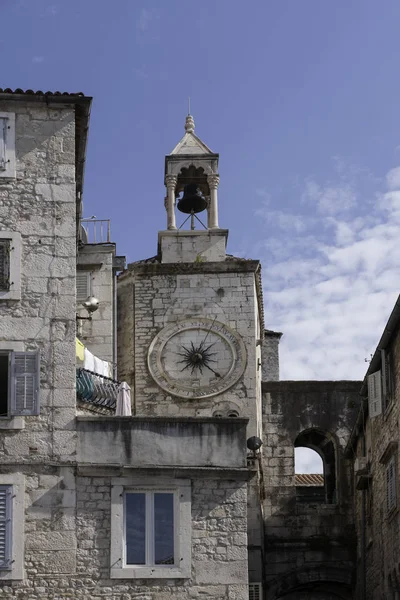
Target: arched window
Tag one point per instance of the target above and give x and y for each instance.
(315, 467)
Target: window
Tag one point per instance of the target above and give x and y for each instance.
(150, 529)
(11, 526)
(7, 145)
(4, 265)
(391, 500)
(19, 383)
(315, 467)
(387, 378)
(255, 591)
(10, 265)
(6, 494)
(82, 285)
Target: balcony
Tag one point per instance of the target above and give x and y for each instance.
(97, 392)
(95, 231)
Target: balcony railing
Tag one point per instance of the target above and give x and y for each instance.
(96, 390)
(95, 231)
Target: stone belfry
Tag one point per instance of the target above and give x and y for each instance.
(190, 318)
(192, 180)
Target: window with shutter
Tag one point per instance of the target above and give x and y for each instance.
(3, 133)
(391, 499)
(25, 377)
(255, 591)
(5, 526)
(82, 285)
(4, 264)
(374, 394)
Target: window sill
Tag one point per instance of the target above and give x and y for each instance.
(149, 573)
(14, 423)
(13, 295)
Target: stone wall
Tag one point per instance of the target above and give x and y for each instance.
(381, 529)
(307, 543)
(98, 334)
(150, 296)
(39, 204)
(270, 355)
(219, 544)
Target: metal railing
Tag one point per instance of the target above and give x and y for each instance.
(95, 231)
(96, 389)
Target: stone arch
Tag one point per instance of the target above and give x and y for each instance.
(225, 409)
(318, 583)
(325, 444)
(177, 167)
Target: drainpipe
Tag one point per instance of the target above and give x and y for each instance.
(114, 351)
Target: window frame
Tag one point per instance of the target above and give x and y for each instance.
(9, 141)
(14, 265)
(150, 526)
(15, 570)
(12, 413)
(182, 529)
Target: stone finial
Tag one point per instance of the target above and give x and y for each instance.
(189, 124)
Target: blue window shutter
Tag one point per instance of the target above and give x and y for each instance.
(3, 133)
(6, 494)
(25, 378)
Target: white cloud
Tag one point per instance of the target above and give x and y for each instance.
(307, 461)
(331, 278)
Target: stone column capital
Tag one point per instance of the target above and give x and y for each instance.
(213, 181)
(171, 181)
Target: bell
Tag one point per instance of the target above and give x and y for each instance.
(192, 200)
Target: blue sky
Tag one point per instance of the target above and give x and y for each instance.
(301, 100)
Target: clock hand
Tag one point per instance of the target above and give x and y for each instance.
(215, 372)
(204, 341)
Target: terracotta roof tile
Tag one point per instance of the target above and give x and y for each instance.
(309, 479)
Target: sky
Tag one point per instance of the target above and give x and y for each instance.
(300, 99)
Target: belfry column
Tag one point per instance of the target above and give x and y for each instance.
(170, 182)
(213, 183)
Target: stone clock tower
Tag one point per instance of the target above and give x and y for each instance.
(190, 318)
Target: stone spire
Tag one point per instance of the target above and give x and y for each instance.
(189, 124)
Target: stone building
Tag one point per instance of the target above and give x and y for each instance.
(374, 451)
(178, 500)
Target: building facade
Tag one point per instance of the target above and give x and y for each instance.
(194, 494)
(374, 452)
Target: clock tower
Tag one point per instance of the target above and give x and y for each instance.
(190, 319)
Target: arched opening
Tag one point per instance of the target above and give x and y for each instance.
(315, 467)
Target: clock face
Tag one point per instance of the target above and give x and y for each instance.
(196, 358)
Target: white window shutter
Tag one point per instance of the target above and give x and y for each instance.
(255, 591)
(374, 394)
(6, 494)
(3, 139)
(25, 378)
(391, 485)
(82, 285)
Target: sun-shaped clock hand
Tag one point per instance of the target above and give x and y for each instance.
(196, 358)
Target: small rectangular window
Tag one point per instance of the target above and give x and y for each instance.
(19, 383)
(7, 145)
(3, 139)
(5, 527)
(391, 499)
(149, 528)
(4, 265)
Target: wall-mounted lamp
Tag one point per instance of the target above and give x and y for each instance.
(91, 304)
